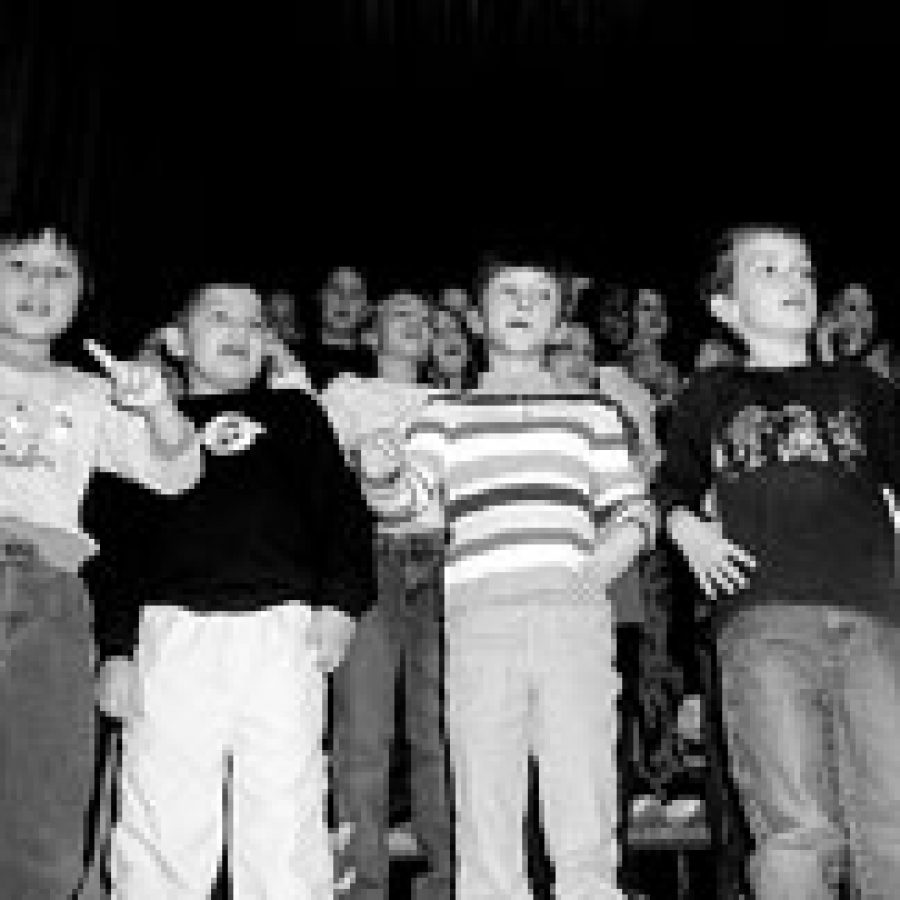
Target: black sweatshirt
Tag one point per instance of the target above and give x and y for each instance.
(277, 517)
(798, 459)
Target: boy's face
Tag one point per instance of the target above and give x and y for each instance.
(405, 329)
(651, 320)
(773, 289)
(450, 346)
(344, 302)
(226, 336)
(40, 284)
(522, 309)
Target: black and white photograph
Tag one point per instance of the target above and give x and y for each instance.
(449, 450)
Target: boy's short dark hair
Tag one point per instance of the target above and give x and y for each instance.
(14, 234)
(720, 276)
(554, 265)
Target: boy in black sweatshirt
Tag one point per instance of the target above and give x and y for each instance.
(801, 564)
(248, 587)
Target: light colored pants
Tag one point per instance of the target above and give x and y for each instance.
(811, 706)
(533, 676)
(238, 685)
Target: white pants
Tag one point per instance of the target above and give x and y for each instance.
(242, 685)
(536, 676)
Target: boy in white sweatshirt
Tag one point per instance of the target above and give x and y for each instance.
(57, 425)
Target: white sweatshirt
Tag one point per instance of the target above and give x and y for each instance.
(56, 427)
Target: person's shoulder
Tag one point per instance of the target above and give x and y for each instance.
(95, 390)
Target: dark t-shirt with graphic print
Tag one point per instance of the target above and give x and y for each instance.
(798, 460)
(277, 517)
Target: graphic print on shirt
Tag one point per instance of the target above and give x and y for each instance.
(756, 437)
(31, 432)
(230, 433)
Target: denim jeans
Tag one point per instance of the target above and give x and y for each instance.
(811, 708)
(402, 634)
(46, 731)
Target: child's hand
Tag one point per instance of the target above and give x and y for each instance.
(330, 633)
(614, 555)
(137, 386)
(717, 563)
(381, 455)
(118, 688)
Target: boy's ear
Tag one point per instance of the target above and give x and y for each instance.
(722, 309)
(475, 320)
(172, 338)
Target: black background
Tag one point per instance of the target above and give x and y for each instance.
(269, 144)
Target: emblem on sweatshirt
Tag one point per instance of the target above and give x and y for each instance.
(29, 431)
(231, 433)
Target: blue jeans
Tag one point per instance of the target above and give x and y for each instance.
(403, 633)
(46, 731)
(811, 708)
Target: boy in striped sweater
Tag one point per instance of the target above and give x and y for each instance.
(543, 505)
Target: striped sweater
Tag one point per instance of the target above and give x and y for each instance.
(529, 484)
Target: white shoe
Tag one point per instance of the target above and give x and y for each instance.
(402, 843)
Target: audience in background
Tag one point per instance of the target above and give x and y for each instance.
(848, 329)
(344, 309)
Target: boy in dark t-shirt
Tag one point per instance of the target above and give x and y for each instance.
(247, 593)
(801, 565)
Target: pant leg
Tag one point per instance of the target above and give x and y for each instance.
(364, 700)
(777, 727)
(430, 786)
(280, 844)
(575, 733)
(869, 738)
(487, 703)
(168, 840)
(46, 746)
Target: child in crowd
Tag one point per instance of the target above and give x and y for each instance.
(57, 426)
(848, 329)
(543, 505)
(402, 633)
(254, 581)
(455, 299)
(643, 355)
(453, 362)
(802, 567)
(345, 311)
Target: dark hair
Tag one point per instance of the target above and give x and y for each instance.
(14, 234)
(553, 264)
(720, 276)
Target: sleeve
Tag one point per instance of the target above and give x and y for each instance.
(882, 421)
(341, 524)
(620, 491)
(640, 409)
(125, 446)
(685, 474)
(419, 484)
